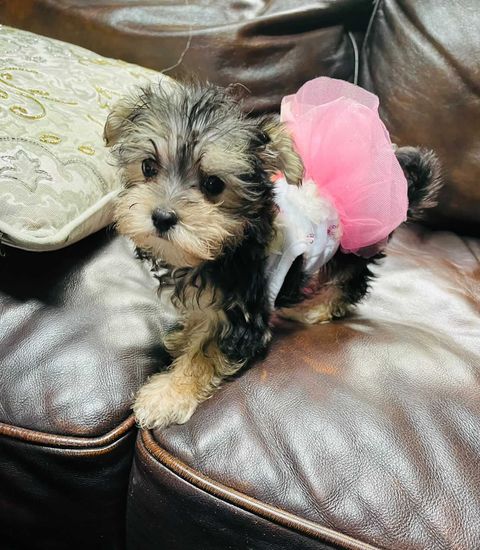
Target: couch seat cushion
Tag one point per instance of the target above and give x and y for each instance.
(80, 329)
(368, 426)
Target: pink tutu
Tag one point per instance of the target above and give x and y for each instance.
(347, 152)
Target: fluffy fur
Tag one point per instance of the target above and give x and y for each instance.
(198, 200)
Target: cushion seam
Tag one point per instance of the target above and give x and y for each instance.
(250, 504)
(59, 441)
(370, 25)
(23, 238)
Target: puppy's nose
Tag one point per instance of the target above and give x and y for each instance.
(163, 220)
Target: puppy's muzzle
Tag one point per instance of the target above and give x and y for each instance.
(163, 220)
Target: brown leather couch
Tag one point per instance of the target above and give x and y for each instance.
(363, 433)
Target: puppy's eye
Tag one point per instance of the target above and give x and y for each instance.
(213, 185)
(149, 168)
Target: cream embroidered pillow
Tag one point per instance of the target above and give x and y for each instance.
(57, 182)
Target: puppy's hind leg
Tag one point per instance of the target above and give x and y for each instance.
(342, 283)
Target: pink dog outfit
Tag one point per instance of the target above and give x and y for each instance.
(354, 192)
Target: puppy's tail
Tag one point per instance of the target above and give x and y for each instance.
(422, 170)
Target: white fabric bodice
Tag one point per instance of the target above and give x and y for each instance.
(307, 223)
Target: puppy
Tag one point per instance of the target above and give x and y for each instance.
(199, 202)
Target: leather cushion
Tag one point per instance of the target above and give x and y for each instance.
(58, 492)
(271, 47)
(190, 514)
(80, 330)
(421, 58)
(368, 426)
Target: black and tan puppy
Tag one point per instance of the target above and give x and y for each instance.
(198, 200)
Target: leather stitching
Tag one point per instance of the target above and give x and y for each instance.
(60, 441)
(147, 445)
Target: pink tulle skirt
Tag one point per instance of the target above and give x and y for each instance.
(347, 152)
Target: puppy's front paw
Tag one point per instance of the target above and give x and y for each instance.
(161, 402)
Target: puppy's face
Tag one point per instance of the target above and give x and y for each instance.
(195, 169)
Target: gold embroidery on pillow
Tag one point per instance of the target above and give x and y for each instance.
(50, 138)
(93, 119)
(42, 93)
(105, 97)
(87, 149)
(6, 77)
(85, 60)
(103, 91)
(23, 112)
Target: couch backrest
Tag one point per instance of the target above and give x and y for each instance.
(423, 60)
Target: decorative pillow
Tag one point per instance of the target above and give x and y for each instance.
(57, 183)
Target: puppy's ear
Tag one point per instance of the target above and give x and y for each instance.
(119, 117)
(123, 116)
(276, 150)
